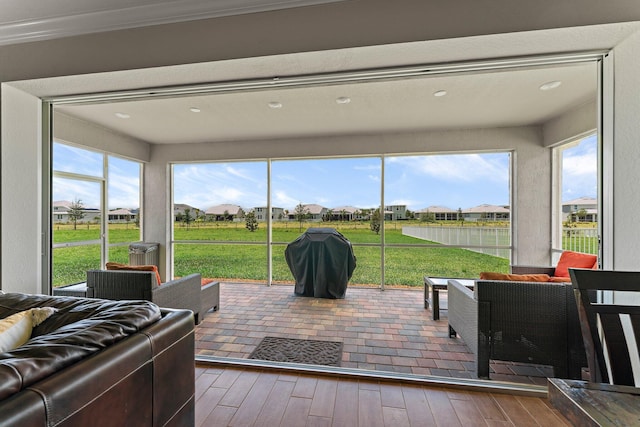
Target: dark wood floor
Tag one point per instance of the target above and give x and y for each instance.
(246, 396)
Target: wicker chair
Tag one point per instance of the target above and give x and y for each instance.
(183, 293)
(526, 322)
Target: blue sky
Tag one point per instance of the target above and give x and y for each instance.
(453, 181)
(415, 181)
(124, 182)
(580, 170)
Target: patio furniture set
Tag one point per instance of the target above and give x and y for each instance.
(580, 327)
(528, 316)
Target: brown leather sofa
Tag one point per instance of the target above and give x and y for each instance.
(97, 362)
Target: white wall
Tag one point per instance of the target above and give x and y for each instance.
(626, 155)
(72, 130)
(21, 172)
(580, 121)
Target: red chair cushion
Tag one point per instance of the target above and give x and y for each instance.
(118, 266)
(486, 275)
(570, 259)
(205, 281)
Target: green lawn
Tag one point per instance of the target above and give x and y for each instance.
(404, 266)
(247, 261)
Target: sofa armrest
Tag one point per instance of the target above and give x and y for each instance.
(182, 293)
(463, 314)
(532, 269)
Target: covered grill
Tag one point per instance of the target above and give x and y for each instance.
(322, 262)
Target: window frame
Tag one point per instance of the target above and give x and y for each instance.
(382, 244)
(103, 181)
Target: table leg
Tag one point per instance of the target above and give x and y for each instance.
(426, 296)
(435, 302)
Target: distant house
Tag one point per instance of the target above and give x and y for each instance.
(122, 216)
(440, 213)
(61, 209)
(589, 206)
(395, 212)
(345, 213)
(224, 212)
(180, 208)
(315, 212)
(486, 213)
(277, 214)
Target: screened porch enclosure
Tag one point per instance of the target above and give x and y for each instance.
(227, 209)
(240, 229)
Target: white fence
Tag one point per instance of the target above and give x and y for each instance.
(487, 240)
(580, 240)
(497, 240)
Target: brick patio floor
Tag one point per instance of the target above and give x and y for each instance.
(381, 330)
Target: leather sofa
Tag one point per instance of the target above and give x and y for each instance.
(98, 362)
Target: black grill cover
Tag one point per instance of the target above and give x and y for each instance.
(322, 262)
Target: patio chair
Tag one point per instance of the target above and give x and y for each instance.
(183, 293)
(526, 322)
(611, 332)
(560, 273)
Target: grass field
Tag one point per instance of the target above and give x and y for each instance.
(247, 260)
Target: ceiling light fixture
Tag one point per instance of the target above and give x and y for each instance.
(195, 109)
(550, 85)
(439, 93)
(275, 104)
(343, 100)
(123, 116)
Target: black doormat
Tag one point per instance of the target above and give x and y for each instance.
(311, 352)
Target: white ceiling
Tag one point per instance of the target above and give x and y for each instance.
(490, 99)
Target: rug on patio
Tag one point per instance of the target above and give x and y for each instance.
(293, 350)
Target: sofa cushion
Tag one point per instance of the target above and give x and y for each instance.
(79, 328)
(570, 259)
(118, 266)
(15, 329)
(560, 279)
(486, 275)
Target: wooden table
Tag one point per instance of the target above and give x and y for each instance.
(592, 404)
(433, 286)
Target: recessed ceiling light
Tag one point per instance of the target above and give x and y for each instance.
(275, 104)
(440, 93)
(194, 109)
(123, 115)
(550, 85)
(343, 100)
